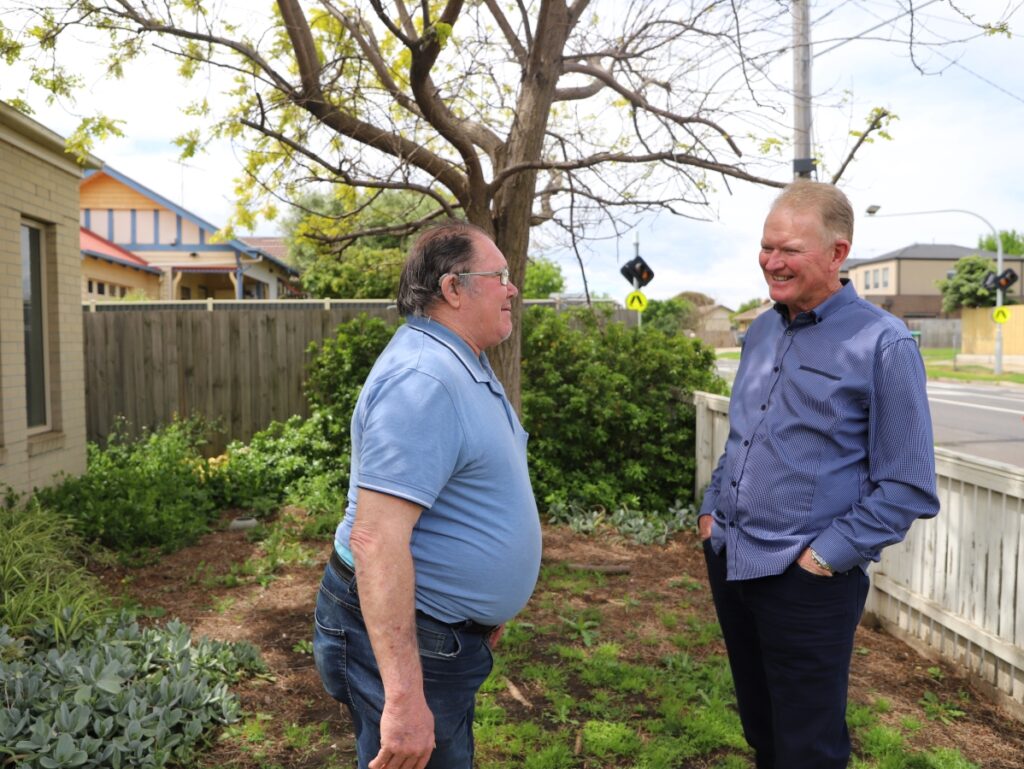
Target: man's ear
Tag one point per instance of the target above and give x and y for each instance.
(450, 290)
(840, 250)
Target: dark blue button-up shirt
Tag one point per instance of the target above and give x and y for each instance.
(830, 441)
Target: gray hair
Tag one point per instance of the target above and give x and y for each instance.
(832, 205)
(441, 249)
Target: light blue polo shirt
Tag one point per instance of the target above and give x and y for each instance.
(433, 426)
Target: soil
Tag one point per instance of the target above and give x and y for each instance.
(277, 618)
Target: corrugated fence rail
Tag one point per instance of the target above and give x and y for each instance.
(955, 587)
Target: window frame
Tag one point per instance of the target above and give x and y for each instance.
(41, 229)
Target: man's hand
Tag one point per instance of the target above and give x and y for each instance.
(495, 636)
(704, 525)
(406, 736)
(807, 563)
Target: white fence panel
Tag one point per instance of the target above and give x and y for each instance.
(954, 588)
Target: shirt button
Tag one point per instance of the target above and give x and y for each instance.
(776, 369)
(746, 443)
(733, 484)
(789, 333)
(763, 407)
(732, 524)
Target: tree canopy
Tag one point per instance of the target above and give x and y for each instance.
(1011, 240)
(543, 278)
(511, 115)
(965, 288)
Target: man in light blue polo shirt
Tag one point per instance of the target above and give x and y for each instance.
(440, 544)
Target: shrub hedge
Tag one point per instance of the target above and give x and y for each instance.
(609, 411)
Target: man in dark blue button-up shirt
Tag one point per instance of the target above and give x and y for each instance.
(829, 459)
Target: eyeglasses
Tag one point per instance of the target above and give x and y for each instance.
(501, 275)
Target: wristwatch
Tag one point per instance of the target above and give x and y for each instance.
(822, 563)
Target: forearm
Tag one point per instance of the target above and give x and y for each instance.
(386, 580)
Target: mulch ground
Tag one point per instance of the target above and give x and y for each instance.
(277, 619)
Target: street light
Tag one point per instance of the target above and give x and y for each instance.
(998, 365)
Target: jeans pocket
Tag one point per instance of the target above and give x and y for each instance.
(330, 655)
(438, 644)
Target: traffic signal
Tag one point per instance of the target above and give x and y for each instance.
(637, 272)
(1006, 279)
(990, 282)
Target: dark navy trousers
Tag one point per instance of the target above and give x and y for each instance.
(790, 640)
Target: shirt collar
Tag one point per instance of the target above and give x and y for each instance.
(846, 294)
(478, 366)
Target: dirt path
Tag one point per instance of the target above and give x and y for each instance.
(277, 618)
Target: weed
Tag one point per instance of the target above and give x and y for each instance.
(609, 738)
(305, 646)
(878, 742)
(223, 604)
(935, 672)
(943, 711)
(669, 620)
(583, 626)
(302, 738)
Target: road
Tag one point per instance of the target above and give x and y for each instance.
(972, 418)
(983, 420)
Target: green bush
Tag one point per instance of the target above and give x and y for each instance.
(41, 582)
(609, 411)
(262, 474)
(150, 492)
(121, 696)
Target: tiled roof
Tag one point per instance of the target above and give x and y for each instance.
(93, 245)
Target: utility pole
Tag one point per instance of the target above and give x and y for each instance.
(803, 163)
(636, 282)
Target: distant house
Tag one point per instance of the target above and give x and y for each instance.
(182, 246)
(904, 281)
(111, 272)
(745, 318)
(42, 387)
(714, 325)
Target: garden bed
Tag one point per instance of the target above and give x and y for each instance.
(658, 610)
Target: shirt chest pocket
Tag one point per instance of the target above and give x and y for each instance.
(818, 395)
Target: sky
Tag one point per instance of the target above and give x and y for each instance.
(956, 145)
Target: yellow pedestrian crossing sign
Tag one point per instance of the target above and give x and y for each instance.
(999, 315)
(636, 301)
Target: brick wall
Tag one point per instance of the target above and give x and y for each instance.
(40, 187)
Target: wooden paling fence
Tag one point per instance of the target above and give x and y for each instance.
(241, 364)
(954, 588)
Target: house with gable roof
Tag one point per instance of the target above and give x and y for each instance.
(180, 245)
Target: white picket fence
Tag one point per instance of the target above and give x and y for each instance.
(954, 588)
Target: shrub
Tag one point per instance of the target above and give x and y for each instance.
(263, 474)
(609, 410)
(40, 579)
(150, 492)
(122, 696)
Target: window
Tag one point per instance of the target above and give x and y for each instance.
(885, 277)
(32, 292)
(867, 279)
(874, 277)
(101, 288)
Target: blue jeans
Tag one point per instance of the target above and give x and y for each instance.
(790, 639)
(455, 664)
